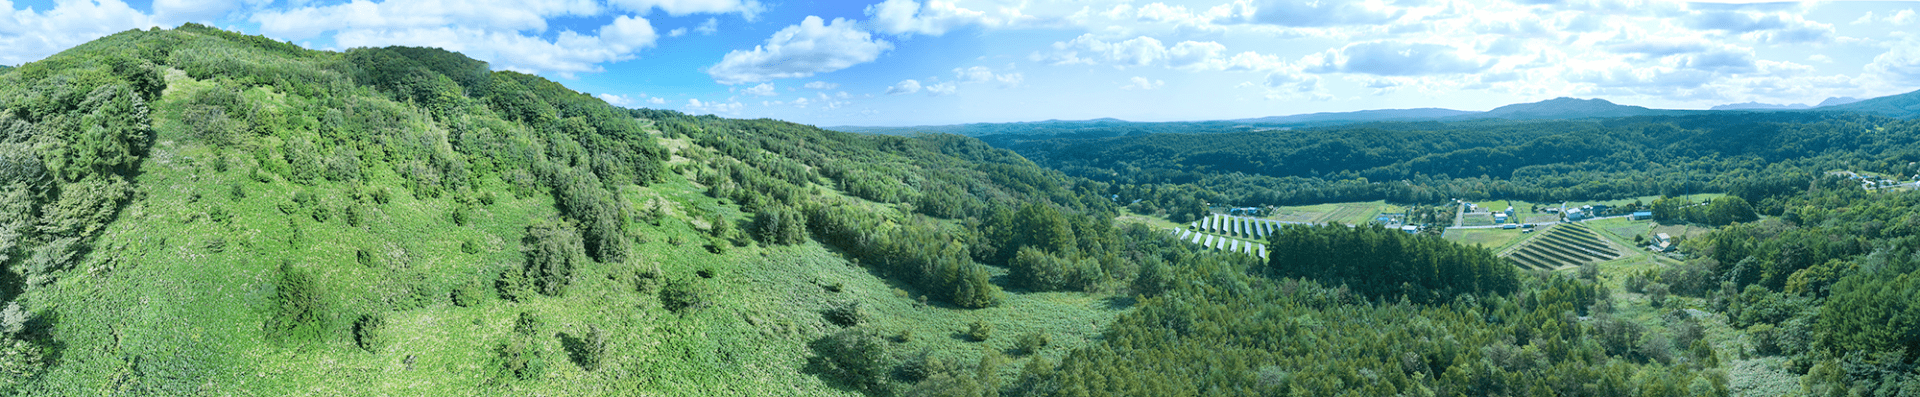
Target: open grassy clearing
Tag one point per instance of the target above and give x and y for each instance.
(1353, 213)
(1492, 239)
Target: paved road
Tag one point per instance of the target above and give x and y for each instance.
(1460, 216)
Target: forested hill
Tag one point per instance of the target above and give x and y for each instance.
(1433, 161)
(198, 212)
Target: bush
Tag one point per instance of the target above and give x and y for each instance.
(553, 251)
(468, 295)
(1657, 294)
(979, 331)
(366, 332)
(589, 351)
(1031, 343)
(520, 358)
(855, 356)
(845, 314)
(298, 312)
(685, 295)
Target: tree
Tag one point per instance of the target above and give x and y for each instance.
(553, 250)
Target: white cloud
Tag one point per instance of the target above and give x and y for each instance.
(398, 15)
(1898, 66)
(1901, 18)
(798, 51)
(709, 27)
(677, 32)
(568, 53)
(28, 35)
(764, 89)
(1142, 83)
(941, 89)
(821, 85)
(982, 74)
(1394, 58)
(656, 101)
(907, 86)
(695, 106)
(908, 17)
(616, 100)
(1313, 13)
(746, 8)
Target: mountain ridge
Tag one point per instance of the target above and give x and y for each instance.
(1562, 108)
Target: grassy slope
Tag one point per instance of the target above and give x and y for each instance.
(174, 302)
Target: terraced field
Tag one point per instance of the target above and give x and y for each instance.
(1562, 246)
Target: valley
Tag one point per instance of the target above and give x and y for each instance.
(195, 211)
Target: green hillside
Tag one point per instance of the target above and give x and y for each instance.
(196, 212)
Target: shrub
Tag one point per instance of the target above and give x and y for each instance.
(366, 332)
(469, 247)
(1031, 343)
(468, 295)
(1657, 294)
(520, 358)
(855, 356)
(553, 251)
(298, 312)
(979, 331)
(13, 320)
(845, 314)
(526, 324)
(590, 351)
(685, 295)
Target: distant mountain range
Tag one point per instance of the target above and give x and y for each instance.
(1900, 106)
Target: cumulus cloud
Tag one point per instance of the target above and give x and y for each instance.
(1899, 65)
(1142, 83)
(798, 51)
(568, 53)
(1137, 52)
(695, 106)
(821, 85)
(748, 9)
(1312, 13)
(908, 17)
(1772, 27)
(907, 86)
(709, 27)
(982, 74)
(1659, 47)
(764, 89)
(616, 100)
(656, 101)
(941, 89)
(28, 34)
(301, 23)
(1394, 58)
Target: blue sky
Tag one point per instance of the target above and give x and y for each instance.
(918, 62)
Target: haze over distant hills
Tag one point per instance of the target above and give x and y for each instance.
(1900, 106)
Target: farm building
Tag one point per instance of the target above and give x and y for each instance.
(1410, 229)
(1575, 214)
(1499, 217)
(1662, 242)
(1641, 215)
